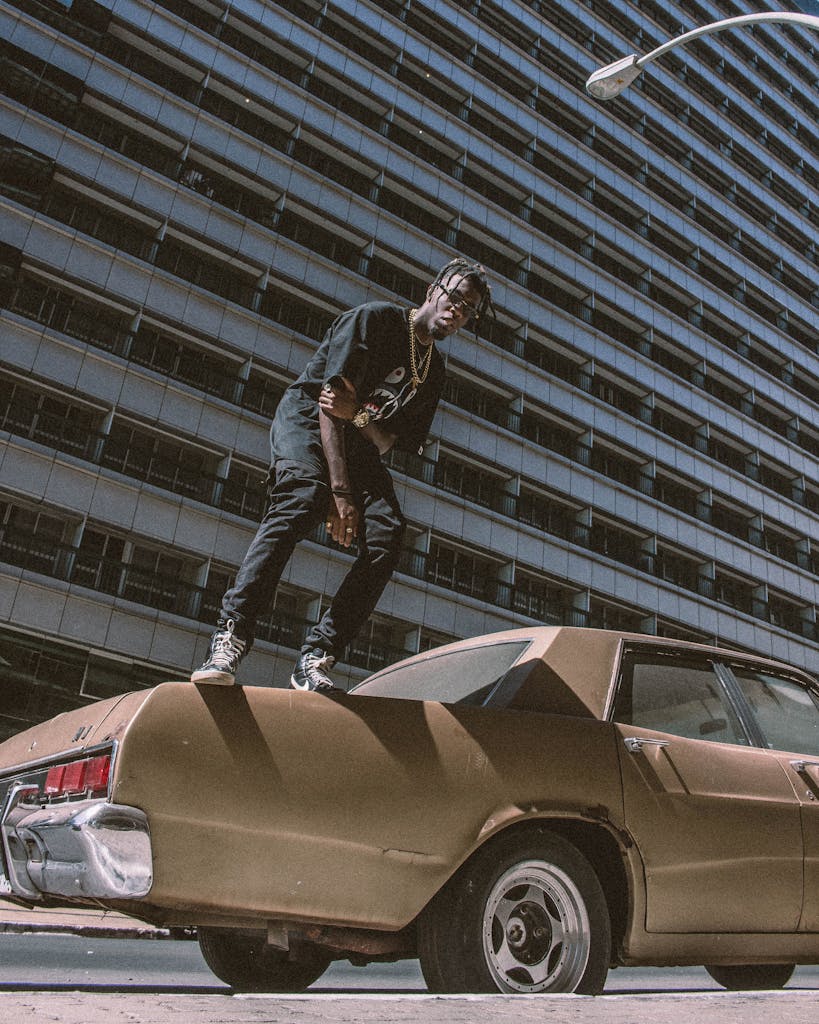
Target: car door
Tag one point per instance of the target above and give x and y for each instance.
(786, 710)
(716, 819)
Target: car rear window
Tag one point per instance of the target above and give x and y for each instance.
(462, 676)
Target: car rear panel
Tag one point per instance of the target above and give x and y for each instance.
(52, 830)
(276, 804)
(69, 734)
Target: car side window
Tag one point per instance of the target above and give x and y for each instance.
(786, 710)
(465, 676)
(683, 697)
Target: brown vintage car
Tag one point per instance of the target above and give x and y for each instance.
(521, 811)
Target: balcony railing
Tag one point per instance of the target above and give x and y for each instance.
(169, 594)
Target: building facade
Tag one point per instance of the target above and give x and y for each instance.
(191, 190)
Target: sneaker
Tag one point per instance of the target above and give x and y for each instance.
(226, 651)
(310, 672)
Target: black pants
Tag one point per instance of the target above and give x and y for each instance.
(298, 500)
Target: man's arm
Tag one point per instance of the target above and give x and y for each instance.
(341, 403)
(381, 438)
(342, 515)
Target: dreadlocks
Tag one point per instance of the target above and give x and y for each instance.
(476, 274)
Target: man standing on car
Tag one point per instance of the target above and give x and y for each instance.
(374, 381)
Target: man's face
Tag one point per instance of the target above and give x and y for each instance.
(452, 305)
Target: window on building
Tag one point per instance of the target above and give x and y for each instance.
(101, 221)
(471, 481)
(730, 517)
(380, 643)
(419, 77)
(550, 514)
(613, 461)
(236, 194)
(156, 347)
(288, 620)
(677, 567)
(396, 277)
(540, 598)
(296, 311)
(24, 174)
(204, 270)
(47, 418)
(35, 539)
(158, 459)
(489, 123)
(77, 316)
(244, 492)
(612, 540)
(39, 85)
(327, 158)
(344, 95)
(608, 615)
(325, 239)
(121, 132)
(481, 401)
(409, 206)
(215, 100)
(461, 570)
(160, 67)
(136, 570)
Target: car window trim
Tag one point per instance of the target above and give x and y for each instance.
(740, 704)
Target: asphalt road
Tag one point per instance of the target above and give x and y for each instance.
(70, 979)
(43, 961)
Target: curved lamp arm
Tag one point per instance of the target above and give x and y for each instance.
(609, 81)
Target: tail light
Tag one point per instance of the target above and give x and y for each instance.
(87, 776)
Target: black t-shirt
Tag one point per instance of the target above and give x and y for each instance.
(369, 345)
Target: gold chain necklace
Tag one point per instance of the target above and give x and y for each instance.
(420, 369)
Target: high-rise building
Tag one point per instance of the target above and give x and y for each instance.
(191, 190)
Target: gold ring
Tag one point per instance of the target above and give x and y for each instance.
(349, 529)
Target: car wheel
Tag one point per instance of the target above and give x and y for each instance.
(249, 964)
(523, 915)
(751, 977)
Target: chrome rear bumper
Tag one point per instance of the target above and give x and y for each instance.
(87, 848)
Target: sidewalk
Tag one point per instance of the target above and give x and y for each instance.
(100, 924)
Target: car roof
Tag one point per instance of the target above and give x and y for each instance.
(570, 669)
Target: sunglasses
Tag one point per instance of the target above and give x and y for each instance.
(458, 301)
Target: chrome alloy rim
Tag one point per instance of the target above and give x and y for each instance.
(536, 935)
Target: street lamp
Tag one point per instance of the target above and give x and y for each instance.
(609, 81)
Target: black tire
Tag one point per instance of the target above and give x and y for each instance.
(248, 964)
(525, 914)
(751, 977)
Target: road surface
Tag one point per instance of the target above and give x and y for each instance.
(73, 979)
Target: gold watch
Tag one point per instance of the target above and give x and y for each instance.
(361, 418)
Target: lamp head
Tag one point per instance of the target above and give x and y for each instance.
(608, 82)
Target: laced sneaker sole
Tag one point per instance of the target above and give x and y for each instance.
(214, 676)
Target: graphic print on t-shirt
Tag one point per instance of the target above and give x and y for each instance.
(394, 392)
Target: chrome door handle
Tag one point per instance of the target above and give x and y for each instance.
(635, 744)
(799, 765)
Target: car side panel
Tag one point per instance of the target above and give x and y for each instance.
(344, 810)
(718, 827)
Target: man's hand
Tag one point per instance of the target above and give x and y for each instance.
(342, 519)
(339, 399)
